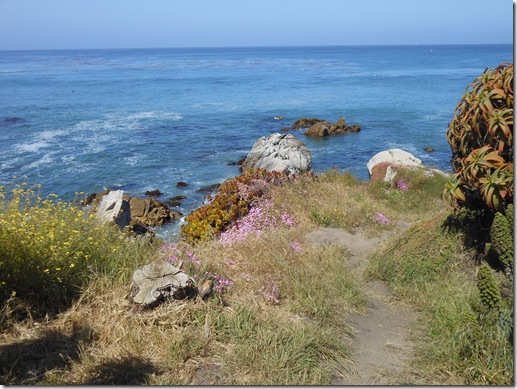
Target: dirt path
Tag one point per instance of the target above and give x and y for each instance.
(381, 347)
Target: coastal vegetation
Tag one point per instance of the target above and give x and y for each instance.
(279, 307)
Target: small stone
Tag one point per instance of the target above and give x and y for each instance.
(181, 184)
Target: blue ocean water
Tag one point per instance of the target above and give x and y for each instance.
(144, 119)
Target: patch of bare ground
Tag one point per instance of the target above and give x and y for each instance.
(381, 346)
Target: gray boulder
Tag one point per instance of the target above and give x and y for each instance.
(157, 282)
(279, 152)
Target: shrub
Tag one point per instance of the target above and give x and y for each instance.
(231, 202)
(481, 140)
(50, 249)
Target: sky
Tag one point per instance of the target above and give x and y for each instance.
(102, 24)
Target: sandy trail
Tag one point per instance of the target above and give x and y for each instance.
(380, 347)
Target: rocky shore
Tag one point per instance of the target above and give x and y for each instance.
(278, 152)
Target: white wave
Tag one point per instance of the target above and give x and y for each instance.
(150, 115)
(32, 147)
(45, 160)
(436, 116)
(79, 168)
(68, 158)
(50, 135)
(134, 160)
(41, 140)
(142, 115)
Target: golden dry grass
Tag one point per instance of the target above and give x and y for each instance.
(282, 321)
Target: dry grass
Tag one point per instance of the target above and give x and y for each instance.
(281, 322)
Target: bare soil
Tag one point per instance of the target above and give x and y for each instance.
(381, 347)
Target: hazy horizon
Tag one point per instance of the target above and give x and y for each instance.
(27, 25)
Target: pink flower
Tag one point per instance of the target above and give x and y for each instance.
(402, 185)
(380, 218)
(262, 215)
(231, 262)
(168, 247)
(271, 291)
(221, 283)
(296, 246)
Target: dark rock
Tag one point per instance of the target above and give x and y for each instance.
(139, 229)
(175, 214)
(285, 129)
(305, 122)
(178, 198)
(173, 203)
(209, 188)
(150, 212)
(324, 128)
(238, 163)
(278, 118)
(181, 184)
(9, 121)
(428, 149)
(95, 197)
(155, 192)
(319, 129)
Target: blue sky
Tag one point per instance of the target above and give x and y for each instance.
(79, 24)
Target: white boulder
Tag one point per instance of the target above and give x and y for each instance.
(280, 153)
(114, 207)
(395, 157)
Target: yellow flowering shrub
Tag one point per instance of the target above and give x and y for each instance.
(49, 249)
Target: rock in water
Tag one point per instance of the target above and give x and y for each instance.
(393, 157)
(150, 212)
(115, 207)
(160, 281)
(305, 122)
(324, 128)
(280, 153)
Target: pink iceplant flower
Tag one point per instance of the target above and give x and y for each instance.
(262, 215)
(380, 218)
(296, 246)
(271, 291)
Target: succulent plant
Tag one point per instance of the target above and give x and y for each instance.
(488, 288)
(501, 238)
(232, 201)
(481, 140)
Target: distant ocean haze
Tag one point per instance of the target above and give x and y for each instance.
(84, 120)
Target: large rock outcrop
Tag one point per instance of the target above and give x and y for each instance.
(280, 153)
(325, 128)
(150, 212)
(137, 212)
(305, 122)
(113, 206)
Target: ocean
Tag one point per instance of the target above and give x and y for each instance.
(145, 119)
